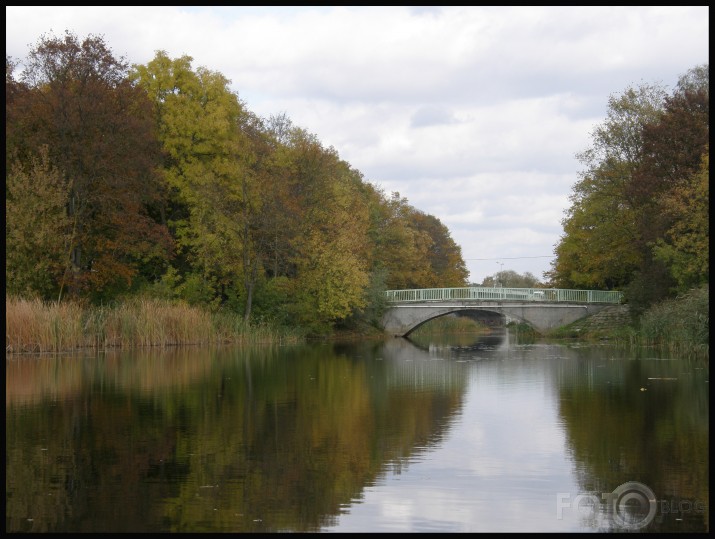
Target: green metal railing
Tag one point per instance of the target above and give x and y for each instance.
(518, 294)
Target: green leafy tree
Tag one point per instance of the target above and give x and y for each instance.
(512, 279)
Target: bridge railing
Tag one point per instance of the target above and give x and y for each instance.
(519, 294)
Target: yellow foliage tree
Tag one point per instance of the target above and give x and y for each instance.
(686, 246)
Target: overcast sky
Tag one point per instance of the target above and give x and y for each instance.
(473, 114)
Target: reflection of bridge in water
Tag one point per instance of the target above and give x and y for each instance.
(431, 366)
(413, 366)
(543, 309)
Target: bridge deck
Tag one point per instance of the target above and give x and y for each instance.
(519, 294)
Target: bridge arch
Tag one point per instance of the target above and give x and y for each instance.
(491, 318)
(484, 316)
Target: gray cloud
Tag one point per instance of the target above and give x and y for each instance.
(431, 115)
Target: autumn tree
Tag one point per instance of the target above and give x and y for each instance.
(158, 176)
(400, 248)
(256, 205)
(669, 169)
(685, 246)
(444, 256)
(282, 198)
(208, 168)
(597, 249)
(332, 251)
(638, 215)
(75, 99)
(38, 231)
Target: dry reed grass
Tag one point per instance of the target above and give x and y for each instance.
(36, 326)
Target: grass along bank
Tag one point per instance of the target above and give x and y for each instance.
(679, 326)
(32, 325)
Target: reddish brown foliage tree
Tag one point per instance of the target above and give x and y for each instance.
(75, 98)
(673, 150)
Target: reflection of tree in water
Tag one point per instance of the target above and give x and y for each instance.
(623, 416)
(247, 445)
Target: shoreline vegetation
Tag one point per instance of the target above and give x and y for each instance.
(679, 325)
(36, 326)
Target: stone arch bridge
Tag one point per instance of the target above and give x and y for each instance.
(541, 308)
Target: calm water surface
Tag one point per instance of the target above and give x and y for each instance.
(475, 435)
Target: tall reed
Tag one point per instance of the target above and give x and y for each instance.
(31, 325)
(679, 325)
(36, 326)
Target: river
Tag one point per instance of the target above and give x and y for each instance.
(470, 435)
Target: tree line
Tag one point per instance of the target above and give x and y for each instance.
(639, 213)
(157, 179)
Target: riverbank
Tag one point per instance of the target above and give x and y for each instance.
(680, 325)
(612, 322)
(34, 326)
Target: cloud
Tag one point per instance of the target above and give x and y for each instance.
(431, 115)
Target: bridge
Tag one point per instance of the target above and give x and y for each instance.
(541, 308)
